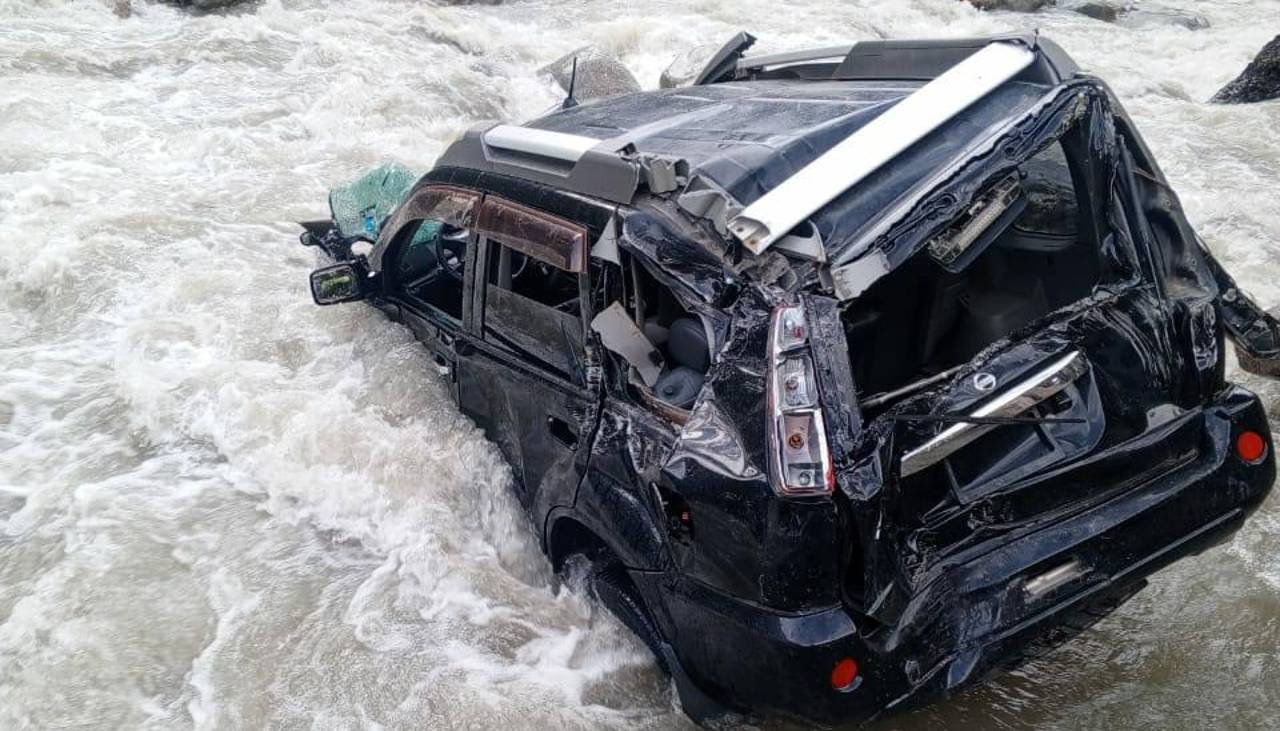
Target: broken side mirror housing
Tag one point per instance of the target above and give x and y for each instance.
(345, 282)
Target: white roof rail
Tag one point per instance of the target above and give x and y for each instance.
(780, 210)
(541, 142)
(790, 57)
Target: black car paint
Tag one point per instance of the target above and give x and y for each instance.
(924, 589)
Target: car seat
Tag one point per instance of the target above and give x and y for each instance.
(688, 350)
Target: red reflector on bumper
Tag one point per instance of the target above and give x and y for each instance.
(1251, 447)
(845, 674)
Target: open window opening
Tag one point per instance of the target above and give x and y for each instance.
(676, 334)
(424, 247)
(534, 280)
(1025, 249)
(429, 263)
(533, 267)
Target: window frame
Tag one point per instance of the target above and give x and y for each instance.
(449, 204)
(514, 226)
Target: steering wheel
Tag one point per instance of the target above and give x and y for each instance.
(451, 251)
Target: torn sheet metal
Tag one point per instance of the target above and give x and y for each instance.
(620, 334)
(804, 242)
(606, 246)
(857, 277)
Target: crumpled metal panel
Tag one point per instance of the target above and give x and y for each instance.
(747, 542)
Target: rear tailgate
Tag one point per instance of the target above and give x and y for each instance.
(1091, 403)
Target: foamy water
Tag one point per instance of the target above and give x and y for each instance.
(223, 507)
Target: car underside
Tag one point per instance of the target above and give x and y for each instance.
(954, 415)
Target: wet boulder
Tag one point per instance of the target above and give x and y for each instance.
(203, 5)
(1260, 81)
(1142, 19)
(685, 67)
(599, 75)
(1017, 6)
(1108, 11)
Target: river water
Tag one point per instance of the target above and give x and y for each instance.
(223, 507)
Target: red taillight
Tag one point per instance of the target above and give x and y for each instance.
(1251, 447)
(845, 675)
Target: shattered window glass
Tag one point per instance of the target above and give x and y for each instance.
(360, 208)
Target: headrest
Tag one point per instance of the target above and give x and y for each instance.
(687, 344)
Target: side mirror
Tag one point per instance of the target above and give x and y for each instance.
(338, 283)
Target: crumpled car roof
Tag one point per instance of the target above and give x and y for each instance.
(748, 137)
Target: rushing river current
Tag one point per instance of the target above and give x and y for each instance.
(224, 507)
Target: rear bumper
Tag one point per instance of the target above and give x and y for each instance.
(979, 615)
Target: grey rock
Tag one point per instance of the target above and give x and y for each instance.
(1156, 18)
(685, 67)
(599, 74)
(1108, 12)
(205, 4)
(122, 8)
(1260, 81)
(1017, 6)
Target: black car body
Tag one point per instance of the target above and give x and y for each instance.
(955, 414)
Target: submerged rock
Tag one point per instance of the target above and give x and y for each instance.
(1017, 6)
(1156, 18)
(122, 8)
(205, 4)
(1260, 81)
(1108, 11)
(599, 74)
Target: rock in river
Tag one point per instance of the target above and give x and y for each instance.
(1260, 81)
(1017, 6)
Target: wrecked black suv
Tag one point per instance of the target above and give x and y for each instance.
(855, 374)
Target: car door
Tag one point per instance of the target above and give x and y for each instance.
(523, 374)
(424, 253)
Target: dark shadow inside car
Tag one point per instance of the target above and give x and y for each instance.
(926, 320)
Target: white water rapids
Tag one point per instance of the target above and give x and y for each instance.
(223, 507)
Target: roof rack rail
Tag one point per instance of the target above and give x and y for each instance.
(928, 59)
(907, 60)
(763, 61)
(575, 162)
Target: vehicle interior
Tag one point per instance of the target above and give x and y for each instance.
(535, 280)
(430, 262)
(678, 335)
(923, 319)
(534, 308)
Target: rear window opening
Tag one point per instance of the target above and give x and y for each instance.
(677, 334)
(923, 320)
